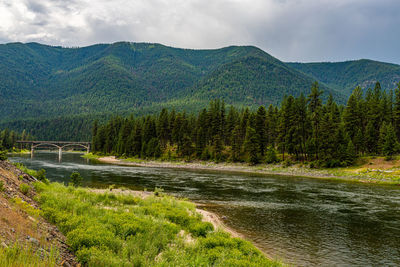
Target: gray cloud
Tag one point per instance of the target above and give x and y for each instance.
(292, 30)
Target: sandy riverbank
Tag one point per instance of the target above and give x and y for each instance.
(368, 172)
(226, 167)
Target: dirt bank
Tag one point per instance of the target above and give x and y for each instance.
(20, 220)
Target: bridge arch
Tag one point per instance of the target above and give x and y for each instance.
(45, 144)
(72, 144)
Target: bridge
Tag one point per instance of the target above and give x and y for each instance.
(58, 144)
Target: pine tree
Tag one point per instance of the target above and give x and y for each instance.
(260, 129)
(251, 146)
(314, 105)
(391, 144)
(396, 111)
(163, 129)
(236, 144)
(350, 153)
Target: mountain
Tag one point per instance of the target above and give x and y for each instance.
(40, 82)
(345, 76)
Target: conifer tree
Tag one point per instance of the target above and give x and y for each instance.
(391, 145)
(251, 146)
(314, 105)
(260, 129)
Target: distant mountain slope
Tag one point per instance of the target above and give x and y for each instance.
(347, 75)
(41, 82)
(255, 81)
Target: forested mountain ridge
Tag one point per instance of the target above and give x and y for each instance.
(41, 82)
(345, 76)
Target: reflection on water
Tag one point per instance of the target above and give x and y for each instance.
(306, 222)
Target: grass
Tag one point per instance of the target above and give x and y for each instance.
(24, 188)
(23, 168)
(91, 156)
(24, 255)
(121, 230)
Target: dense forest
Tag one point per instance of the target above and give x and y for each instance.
(45, 82)
(8, 139)
(345, 76)
(302, 128)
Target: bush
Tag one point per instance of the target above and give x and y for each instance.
(287, 163)
(3, 155)
(76, 179)
(41, 175)
(1, 186)
(271, 157)
(24, 188)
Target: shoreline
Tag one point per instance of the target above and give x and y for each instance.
(207, 216)
(246, 169)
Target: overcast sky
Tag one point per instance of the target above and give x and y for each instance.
(291, 30)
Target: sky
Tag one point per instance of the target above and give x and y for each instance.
(291, 30)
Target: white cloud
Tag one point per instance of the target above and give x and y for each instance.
(295, 30)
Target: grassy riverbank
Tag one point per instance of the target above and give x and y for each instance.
(366, 170)
(110, 227)
(107, 229)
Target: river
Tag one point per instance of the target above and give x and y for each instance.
(302, 221)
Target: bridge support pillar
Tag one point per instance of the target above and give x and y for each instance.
(59, 153)
(32, 151)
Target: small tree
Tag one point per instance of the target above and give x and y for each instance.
(76, 179)
(390, 145)
(271, 155)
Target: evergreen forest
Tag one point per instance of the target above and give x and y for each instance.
(302, 128)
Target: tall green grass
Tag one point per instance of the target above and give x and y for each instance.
(121, 230)
(21, 256)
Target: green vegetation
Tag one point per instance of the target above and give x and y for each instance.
(19, 255)
(3, 155)
(303, 129)
(1, 186)
(24, 188)
(76, 179)
(121, 230)
(345, 76)
(79, 85)
(40, 174)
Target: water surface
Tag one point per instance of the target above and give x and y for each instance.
(303, 221)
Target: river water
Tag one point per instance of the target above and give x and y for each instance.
(302, 221)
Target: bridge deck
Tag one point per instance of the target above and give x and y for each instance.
(51, 142)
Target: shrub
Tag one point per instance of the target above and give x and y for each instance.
(41, 175)
(271, 155)
(76, 179)
(158, 192)
(1, 186)
(24, 188)
(287, 163)
(3, 155)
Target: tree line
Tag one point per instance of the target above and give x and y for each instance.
(8, 139)
(302, 128)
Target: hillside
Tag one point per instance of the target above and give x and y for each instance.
(345, 76)
(42, 82)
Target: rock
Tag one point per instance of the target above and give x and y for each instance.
(13, 230)
(65, 264)
(34, 241)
